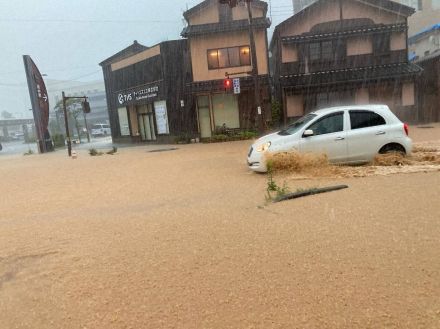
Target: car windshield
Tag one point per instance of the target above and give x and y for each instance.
(297, 125)
(96, 127)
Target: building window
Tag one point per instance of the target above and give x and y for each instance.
(327, 51)
(381, 44)
(228, 57)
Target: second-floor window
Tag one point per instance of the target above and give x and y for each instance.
(327, 51)
(228, 57)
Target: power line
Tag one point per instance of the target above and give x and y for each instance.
(36, 20)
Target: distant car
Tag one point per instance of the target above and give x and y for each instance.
(348, 134)
(100, 129)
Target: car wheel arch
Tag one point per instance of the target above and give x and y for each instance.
(392, 147)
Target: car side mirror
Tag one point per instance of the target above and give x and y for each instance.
(308, 133)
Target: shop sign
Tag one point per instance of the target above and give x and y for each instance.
(138, 95)
(236, 84)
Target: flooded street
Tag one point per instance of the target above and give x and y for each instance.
(184, 239)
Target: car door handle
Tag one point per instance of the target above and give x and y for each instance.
(339, 138)
(380, 133)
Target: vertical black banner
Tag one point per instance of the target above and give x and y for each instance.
(40, 104)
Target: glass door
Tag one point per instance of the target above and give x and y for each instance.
(204, 116)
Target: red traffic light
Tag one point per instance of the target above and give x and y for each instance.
(227, 84)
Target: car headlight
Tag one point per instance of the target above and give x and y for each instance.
(263, 147)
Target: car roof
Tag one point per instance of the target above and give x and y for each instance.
(351, 107)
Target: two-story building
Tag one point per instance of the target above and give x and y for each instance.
(219, 43)
(338, 52)
(145, 89)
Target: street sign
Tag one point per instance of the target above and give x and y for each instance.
(236, 84)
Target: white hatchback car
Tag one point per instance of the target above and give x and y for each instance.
(347, 134)
(101, 129)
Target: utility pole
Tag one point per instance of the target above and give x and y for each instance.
(86, 109)
(253, 50)
(66, 123)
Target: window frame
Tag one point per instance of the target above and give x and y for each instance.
(323, 118)
(227, 50)
(365, 111)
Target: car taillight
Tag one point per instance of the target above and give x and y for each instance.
(406, 128)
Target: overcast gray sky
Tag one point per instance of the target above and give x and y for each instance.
(68, 38)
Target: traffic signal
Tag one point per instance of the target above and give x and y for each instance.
(227, 84)
(86, 107)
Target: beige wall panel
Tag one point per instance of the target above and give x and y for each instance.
(398, 41)
(328, 11)
(295, 105)
(408, 95)
(241, 12)
(200, 45)
(206, 16)
(136, 58)
(289, 53)
(362, 96)
(354, 9)
(359, 46)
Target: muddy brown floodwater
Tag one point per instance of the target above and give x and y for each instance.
(183, 239)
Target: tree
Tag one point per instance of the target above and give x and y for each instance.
(74, 110)
(6, 115)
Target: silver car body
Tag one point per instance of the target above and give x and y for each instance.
(347, 145)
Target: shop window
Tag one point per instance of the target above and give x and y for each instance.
(123, 121)
(228, 57)
(225, 110)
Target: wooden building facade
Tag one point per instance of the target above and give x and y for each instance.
(146, 97)
(219, 42)
(429, 86)
(342, 52)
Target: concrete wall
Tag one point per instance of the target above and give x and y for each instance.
(428, 16)
(423, 45)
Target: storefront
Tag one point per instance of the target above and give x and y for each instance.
(145, 93)
(218, 37)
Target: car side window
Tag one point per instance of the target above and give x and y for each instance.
(329, 124)
(364, 119)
